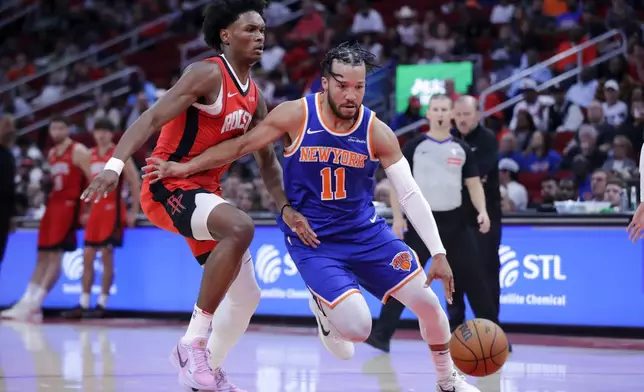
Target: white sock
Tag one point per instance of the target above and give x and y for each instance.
(199, 325)
(29, 292)
(102, 300)
(444, 366)
(38, 297)
(84, 300)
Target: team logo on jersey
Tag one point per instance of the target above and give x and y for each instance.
(402, 261)
(239, 120)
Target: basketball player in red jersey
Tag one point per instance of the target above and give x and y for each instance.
(105, 223)
(213, 101)
(69, 167)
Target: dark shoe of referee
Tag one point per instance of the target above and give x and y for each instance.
(7, 181)
(486, 152)
(440, 165)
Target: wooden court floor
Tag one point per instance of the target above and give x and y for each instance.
(132, 356)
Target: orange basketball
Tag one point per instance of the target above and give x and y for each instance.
(479, 347)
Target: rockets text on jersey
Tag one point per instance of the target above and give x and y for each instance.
(202, 126)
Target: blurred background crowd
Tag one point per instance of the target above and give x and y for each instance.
(560, 138)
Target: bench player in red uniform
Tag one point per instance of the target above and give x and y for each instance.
(68, 167)
(213, 101)
(105, 223)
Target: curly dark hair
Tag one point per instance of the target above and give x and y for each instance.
(220, 14)
(350, 53)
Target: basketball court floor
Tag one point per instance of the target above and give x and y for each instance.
(131, 355)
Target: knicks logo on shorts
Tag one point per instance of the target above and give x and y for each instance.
(402, 261)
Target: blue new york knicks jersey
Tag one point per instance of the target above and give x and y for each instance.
(329, 176)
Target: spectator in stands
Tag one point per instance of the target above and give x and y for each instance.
(507, 43)
(597, 119)
(52, 91)
(633, 127)
(310, 26)
(598, 184)
(277, 14)
(620, 161)
(491, 100)
(407, 30)
(549, 194)
(583, 92)
(134, 111)
(508, 178)
(508, 147)
(571, 17)
(636, 61)
(524, 129)
(553, 8)
(367, 19)
(382, 192)
(430, 23)
(532, 103)
(409, 116)
(105, 109)
(541, 75)
(613, 194)
(591, 22)
(568, 190)
(502, 12)
(273, 53)
(563, 115)
(580, 170)
(621, 16)
(586, 147)
(538, 157)
(369, 43)
(617, 70)
(442, 42)
(576, 36)
(21, 68)
(15, 105)
(615, 110)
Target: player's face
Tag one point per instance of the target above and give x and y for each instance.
(246, 36)
(465, 116)
(439, 113)
(59, 131)
(345, 89)
(103, 137)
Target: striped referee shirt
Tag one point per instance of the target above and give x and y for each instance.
(440, 169)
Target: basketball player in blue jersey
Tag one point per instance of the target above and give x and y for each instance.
(334, 146)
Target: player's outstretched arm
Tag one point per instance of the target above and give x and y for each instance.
(276, 124)
(414, 204)
(198, 80)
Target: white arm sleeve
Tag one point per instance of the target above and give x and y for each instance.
(642, 175)
(415, 205)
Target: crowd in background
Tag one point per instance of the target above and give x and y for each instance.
(577, 140)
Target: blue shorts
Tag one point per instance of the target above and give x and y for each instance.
(381, 264)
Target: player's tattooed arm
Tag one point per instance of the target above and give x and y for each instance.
(269, 166)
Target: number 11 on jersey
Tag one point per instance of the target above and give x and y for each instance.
(327, 178)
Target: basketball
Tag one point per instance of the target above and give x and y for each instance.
(479, 347)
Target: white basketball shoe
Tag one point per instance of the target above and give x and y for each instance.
(456, 383)
(23, 310)
(335, 345)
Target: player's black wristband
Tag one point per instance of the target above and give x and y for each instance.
(283, 207)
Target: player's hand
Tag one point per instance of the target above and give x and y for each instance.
(131, 220)
(105, 182)
(440, 269)
(300, 226)
(157, 169)
(636, 227)
(484, 222)
(399, 227)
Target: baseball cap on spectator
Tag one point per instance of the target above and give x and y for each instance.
(405, 12)
(509, 164)
(528, 84)
(611, 84)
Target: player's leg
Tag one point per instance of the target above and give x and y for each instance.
(87, 280)
(22, 309)
(107, 259)
(333, 286)
(434, 328)
(391, 312)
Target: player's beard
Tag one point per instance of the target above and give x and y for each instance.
(336, 110)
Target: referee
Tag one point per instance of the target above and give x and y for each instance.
(7, 181)
(486, 153)
(441, 164)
